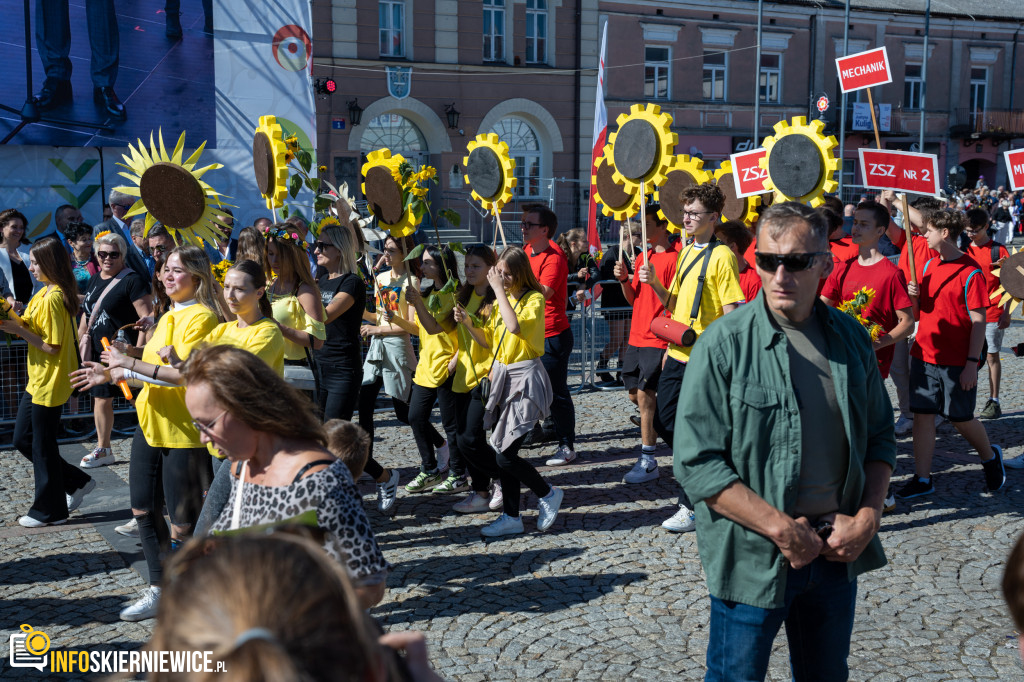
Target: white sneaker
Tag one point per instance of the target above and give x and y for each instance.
(497, 500)
(904, 426)
(130, 529)
(75, 498)
(505, 525)
(99, 457)
(474, 504)
(680, 522)
(563, 455)
(645, 469)
(387, 493)
(443, 455)
(28, 522)
(547, 508)
(144, 608)
(1014, 463)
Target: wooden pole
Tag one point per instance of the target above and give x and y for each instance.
(910, 243)
(874, 120)
(501, 230)
(643, 220)
(624, 243)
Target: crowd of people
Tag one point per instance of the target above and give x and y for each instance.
(759, 359)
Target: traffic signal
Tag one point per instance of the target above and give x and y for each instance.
(326, 86)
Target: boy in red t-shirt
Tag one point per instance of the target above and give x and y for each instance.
(988, 253)
(738, 237)
(891, 306)
(551, 267)
(646, 352)
(951, 301)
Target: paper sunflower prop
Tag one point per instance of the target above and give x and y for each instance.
(1011, 281)
(615, 200)
(641, 149)
(172, 192)
(385, 195)
(855, 308)
(490, 171)
(270, 157)
(743, 209)
(801, 162)
(683, 171)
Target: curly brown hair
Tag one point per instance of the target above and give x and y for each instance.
(710, 196)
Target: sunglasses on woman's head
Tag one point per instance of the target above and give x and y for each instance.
(793, 262)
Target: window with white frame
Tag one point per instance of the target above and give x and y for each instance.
(715, 64)
(912, 86)
(536, 31)
(656, 72)
(979, 88)
(494, 30)
(392, 25)
(524, 148)
(770, 85)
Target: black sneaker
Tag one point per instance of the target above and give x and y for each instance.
(916, 487)
(995, 474)
(991, 410)
(635, 419)
(606, 377)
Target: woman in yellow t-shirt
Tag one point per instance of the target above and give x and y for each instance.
(435, 373)
(293, 293)
(520, 392)
(167, 455)
(254, 328)
(46, 324)
(474, 363)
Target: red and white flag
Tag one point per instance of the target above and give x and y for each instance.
(600, 137)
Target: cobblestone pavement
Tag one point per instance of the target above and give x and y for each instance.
(605, 594)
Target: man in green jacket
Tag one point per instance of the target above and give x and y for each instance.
(784, 442)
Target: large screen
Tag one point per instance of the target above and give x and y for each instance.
(160, 79)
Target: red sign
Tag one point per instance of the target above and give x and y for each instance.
(1015, 167)
(747, 174)
(864, 69)
(900, 171)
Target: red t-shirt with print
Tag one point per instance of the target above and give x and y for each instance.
(552, 270)
(948, 291)
(646, 304)
(983, 256)
(890, 289)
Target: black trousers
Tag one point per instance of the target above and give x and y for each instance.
(669, 386)
(367, 402)
(514, 470)
(421, 404)
(476, 454)
(557, 350)
(175, 476)
(340, 385)
(35, 437)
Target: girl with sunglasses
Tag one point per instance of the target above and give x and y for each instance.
(169, 463)
(520, 391)
(48, 328)
(115, 297)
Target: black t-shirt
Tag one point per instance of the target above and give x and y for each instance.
(22, 284)
(117, 309)
(343, 341)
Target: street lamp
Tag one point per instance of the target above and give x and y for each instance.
(453, 115)
(355, 112)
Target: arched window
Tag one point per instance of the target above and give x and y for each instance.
(524, 147)
(395, 132)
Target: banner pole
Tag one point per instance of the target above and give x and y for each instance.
(874, 121)
(910, 243)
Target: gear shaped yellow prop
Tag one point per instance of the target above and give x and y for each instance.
(743, 209)
(1011, 281)
(645, 147)
(490, 172)
(683, 171)
(270, 161)
(171, 191)
(384, 196)
(615, 200)
(801, 162)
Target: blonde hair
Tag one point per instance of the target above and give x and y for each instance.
(272, 608)
(518, 264)
(253, 393)
(251, 246)
(292, 263)
(195, 261)
(114, 239)
(341, 238)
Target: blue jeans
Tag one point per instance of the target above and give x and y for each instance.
(818, 613)
(557, 350)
